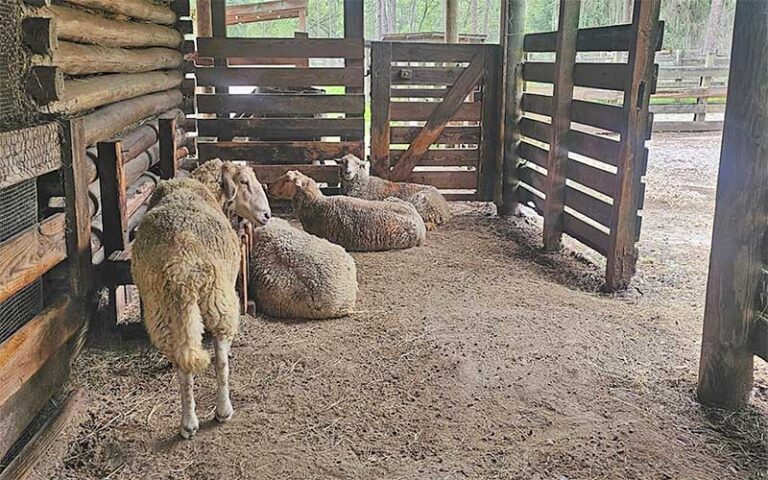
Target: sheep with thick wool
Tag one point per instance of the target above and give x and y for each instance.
(185, 262)
(297, 275)
(355, 224)
(357, 182)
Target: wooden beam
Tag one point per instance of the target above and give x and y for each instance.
(219, 18)
(513, 35)
(265, 153)
(112, 185)
(295, 48)
(440, 117)
(354, 29)
(741, 214)
(86, 94)
(204, 28)
(451, 21)
(40, 35)
(489, 173)
(28, 153)
(270, 10)
(45, 84)
(632, 158)
(168, 146)
(138, 9)
(554, 204)
(381, 61)
(78, 59)
(82, 27)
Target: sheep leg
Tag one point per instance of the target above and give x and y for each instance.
(189, 423)
(223, 403)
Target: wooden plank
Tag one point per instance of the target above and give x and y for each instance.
(454, 180)
(381, 59)
(608, 117)
(40, 443)
(688, 108)
(280, 77)
(532, 178)
(433, 52)
(218, 18)
(26, 256)
(690, 126)
(263, 11)
(440, 117)
(695, 92)
(586, 234)
(608, 76)
(531, 153)
(588, 205)
(279, 152)
(281, 47)
(594, 178)
(425, 75)
(354, 27)
(28, 153)
(564, 75)
(489, 177)
(530, 199)
(599, 148)
(419, 111)
(444, 157)
(538, 104)
(79, 59)
(166, 127)
(288, 128)
(736, 281)
(622, 254)
(320, 173)
(418, 92)
(600, 39)
(536, 130)
(280, 104)
(449, 136)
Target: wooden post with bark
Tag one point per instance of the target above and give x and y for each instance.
(554, 205)
(451, 21)
(512, 36)
(741, 219)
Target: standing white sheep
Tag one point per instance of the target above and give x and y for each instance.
(357, 182)
(185, 262)
(357, 225)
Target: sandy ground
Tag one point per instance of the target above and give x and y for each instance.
(476, 356)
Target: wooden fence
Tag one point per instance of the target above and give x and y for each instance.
(589, 186)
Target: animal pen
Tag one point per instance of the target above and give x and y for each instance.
(106, 98)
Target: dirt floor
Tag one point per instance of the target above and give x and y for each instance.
(476, 356)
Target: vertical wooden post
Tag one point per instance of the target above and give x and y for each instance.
(512, 36)
(302, 26)
(112, 185)
(706, 80)
(741, 216)
(354, 27)
(633, 156)
(166, 126)
(565, 61)
(381, 61)
(490, 125)
(204, 28)
(218, 18)
(78, 213)
(451, 21)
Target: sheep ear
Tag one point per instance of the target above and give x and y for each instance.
(228, 186)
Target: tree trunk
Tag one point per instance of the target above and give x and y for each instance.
(626, 13)
(473, 14)
(713, 26)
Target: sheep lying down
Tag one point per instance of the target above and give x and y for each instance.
(357, 225)
(357, 182)
(296, 275)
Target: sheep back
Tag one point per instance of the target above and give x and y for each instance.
(296, 275)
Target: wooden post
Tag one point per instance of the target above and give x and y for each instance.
(302, 25)
(381, 61)
(512, 36)
(166, 126)
(705, 82)
(112, 185)
(204, 27)
(451, 21)
(490, 152)
(354, 27)
(741, 216)
(554, 205)
(633, 155)
(218, 18)
(75, 178)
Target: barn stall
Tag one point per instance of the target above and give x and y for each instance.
(104, 119)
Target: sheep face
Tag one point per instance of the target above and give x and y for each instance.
(244, 194)
(351, 166)
(286, 186)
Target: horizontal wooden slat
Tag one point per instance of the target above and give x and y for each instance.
(708, 126)
(534, 154)
(458, 180)
(599, 148)
(532, 178)
(320, 173)
(588, 205)
(585, 233)
(416, 111)
(280, 104)
(28, 255)
(29, 153)
(601, 39)
(433, 52)
(279, 77)
(594, 178)
(449, 135)
(281, 47)
(609, 76)
(538, 104)
(286, 128)
(34, 343)
(534, 129)
(425, 75)
(689, 72)
(443, 157)
(688, 108)
(418, 92)
(608, 117)
(279, 152)
(527, 197)
(694, 92)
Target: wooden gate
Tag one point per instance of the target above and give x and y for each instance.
(290, 123)
(435, 113)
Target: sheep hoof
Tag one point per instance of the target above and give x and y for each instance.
(188, 431)
(224, 415)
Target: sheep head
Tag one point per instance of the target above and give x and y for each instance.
(352, 167)
(288, 185)
(238, 189)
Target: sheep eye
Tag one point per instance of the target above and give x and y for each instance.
(244, 181)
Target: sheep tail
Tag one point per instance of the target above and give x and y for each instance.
(189, 355)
